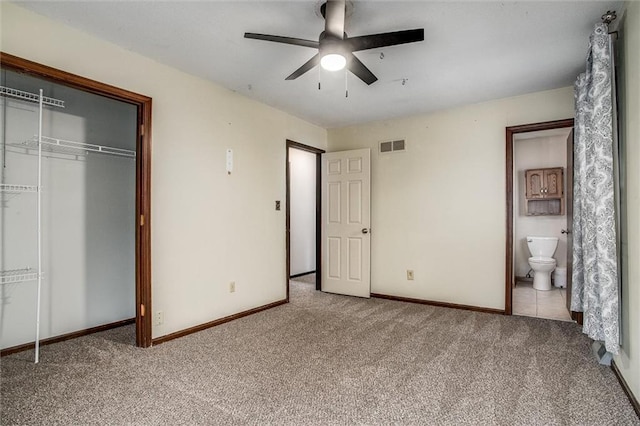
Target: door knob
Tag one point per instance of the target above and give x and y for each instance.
(565, 231)
(365, 230)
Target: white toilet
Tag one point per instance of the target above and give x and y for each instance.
(541, 261)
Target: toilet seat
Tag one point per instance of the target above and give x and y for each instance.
(542, 260)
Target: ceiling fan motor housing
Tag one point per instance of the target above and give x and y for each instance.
(331, 44)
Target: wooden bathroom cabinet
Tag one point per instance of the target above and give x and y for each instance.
(544, 191)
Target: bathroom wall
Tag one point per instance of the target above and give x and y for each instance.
(302, 167)
(537, 150)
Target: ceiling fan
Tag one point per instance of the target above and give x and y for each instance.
(335, 48)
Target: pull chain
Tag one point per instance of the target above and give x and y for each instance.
(346, 83)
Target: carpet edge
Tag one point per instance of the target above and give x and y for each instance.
(204, 326)
(439, 304)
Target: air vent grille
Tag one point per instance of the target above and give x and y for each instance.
(392, 146)
(398, 145)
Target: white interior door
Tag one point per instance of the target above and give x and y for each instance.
(346, 222)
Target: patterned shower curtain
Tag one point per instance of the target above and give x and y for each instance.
(595, 263)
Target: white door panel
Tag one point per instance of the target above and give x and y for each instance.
(346, 221)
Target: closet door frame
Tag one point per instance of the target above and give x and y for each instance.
(143, 174)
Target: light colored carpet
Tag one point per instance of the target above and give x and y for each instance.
(308, 278)
(324, 359)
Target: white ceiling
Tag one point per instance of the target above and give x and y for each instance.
(473, 51)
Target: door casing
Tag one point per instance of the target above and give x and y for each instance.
(318, 153)
(576, 316)
(510, 132)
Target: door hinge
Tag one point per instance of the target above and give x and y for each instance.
(141, 220)
(142, 130)
(141, 310)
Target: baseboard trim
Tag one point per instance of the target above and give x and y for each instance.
(302, 274)
(214, 323)
(626, 389)
(439, 304)
(68, 336)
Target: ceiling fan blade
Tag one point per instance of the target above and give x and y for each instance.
(285, 40)
(334, 18)
(360, 70)
(306, 67)
(374, 41)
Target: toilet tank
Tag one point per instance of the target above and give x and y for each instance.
(542, 246)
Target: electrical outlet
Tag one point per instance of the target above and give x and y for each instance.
(410, 274)
(158, 318)
(232, 287)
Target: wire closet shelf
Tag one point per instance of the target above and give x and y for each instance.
(31, 97)
(8, 191)
(13, 276)
(17, 189)
(42, 143)
(18, 275)
(76, 148)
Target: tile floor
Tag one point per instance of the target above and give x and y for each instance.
(541, 304)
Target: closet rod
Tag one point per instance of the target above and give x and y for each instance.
(60, 145)
(31, 97)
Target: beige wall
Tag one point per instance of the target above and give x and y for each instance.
(536, 153)
(629, 359)
(439, 207)
(209, 228)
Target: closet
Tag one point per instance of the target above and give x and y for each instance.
(68, 210)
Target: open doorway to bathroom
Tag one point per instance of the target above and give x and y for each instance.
(539, 191)
(303, 217)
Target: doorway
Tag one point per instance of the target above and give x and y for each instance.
(142, 105)
(513, 134)
(303, 220)
(540, 218)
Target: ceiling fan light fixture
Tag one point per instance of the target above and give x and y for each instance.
(333, 62)
(336, 49)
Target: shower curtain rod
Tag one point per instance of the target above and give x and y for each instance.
(608, 18)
